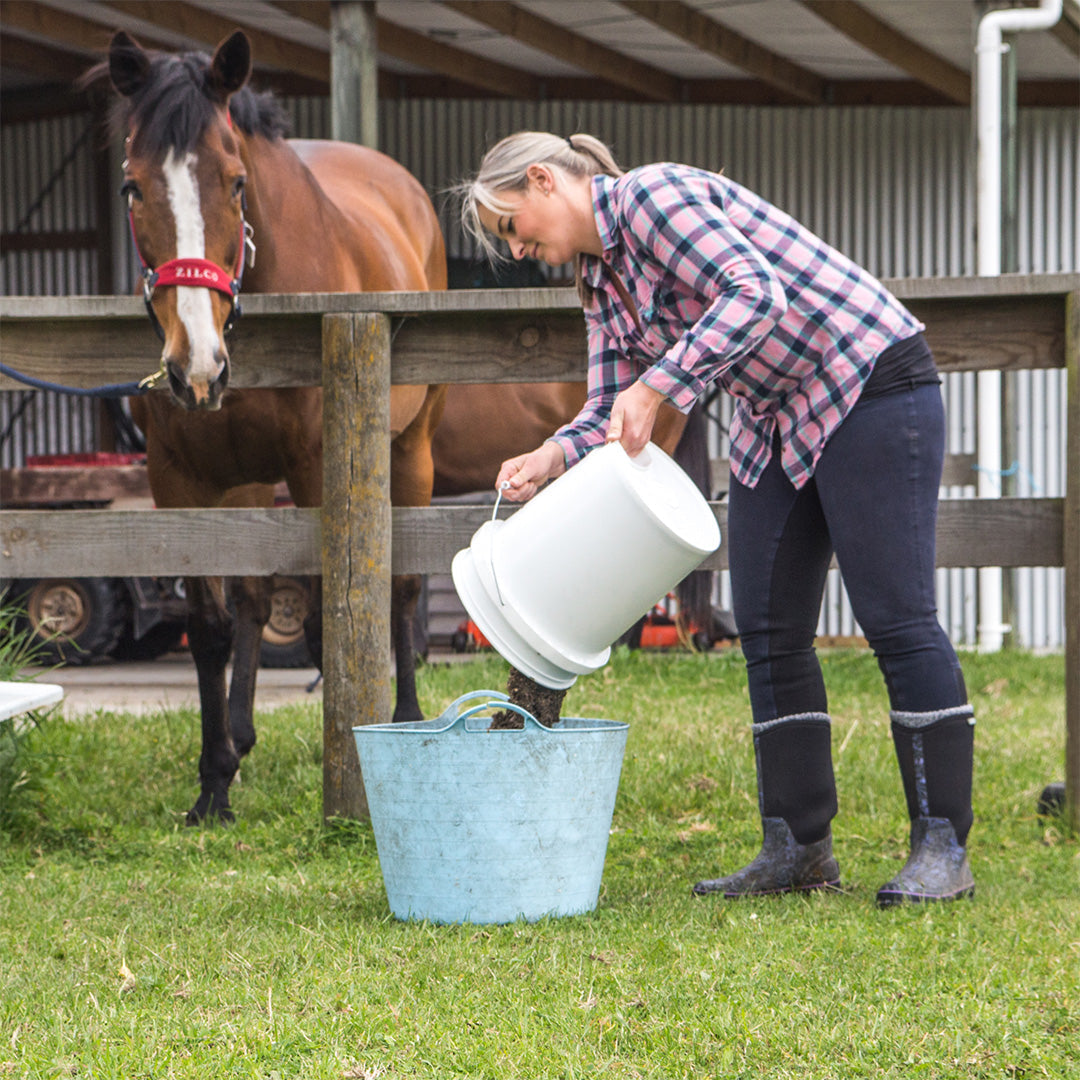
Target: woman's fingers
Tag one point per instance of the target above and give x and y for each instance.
(524, 475)
(633, 414)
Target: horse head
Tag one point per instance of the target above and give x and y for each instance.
(184, 182)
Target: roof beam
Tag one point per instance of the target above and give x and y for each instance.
(428, 53)
(454, 63)
(706, 34)
(59, 27)
(866, 29)
(516, 22)
(63, 65)
(1067, 28)
(209, 28)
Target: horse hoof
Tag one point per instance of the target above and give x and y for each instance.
(207, 808)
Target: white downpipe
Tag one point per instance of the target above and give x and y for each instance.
(989, 48)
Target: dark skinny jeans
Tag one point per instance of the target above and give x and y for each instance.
(872, 501)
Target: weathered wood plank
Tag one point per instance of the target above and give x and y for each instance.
(85, 352)
(256, 305)
(119, 543)
(286, 350)
(1007, 334)
(971, 532)
(478, 335)
(356, 535)
(36, 543)
(30, 487)
(476, 347)
(489, 300)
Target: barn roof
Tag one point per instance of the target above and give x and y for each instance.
(783, 52)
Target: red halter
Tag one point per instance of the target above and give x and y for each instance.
(196, 273)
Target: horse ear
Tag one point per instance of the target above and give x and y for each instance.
(129, 65)
(231, 66)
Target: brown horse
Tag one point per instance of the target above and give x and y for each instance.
(207, 170)
(482, 426)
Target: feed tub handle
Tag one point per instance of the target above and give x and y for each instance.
(502, 704)
(452, 711)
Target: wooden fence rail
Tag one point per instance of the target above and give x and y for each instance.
(356, 345)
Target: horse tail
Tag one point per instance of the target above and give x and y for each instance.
(692, 454)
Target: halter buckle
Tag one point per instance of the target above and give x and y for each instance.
(151, 381)
(249, 244)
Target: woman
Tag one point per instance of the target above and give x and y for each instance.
(837, 444)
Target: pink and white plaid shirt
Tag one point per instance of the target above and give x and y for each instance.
(734, 291)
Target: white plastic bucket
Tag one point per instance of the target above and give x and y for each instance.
(555, 584)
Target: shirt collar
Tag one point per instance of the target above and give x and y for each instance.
(603, 198)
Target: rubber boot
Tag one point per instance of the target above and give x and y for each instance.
(935, 752)
(797, 801)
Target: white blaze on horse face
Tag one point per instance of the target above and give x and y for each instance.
(192, 305)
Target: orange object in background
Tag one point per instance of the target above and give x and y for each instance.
(660, 629)
(469, 637)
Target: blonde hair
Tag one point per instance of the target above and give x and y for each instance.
(505, 168)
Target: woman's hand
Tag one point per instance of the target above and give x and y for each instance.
(527, 473)
(633, 414)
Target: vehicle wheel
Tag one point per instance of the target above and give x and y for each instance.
(73, 620)
(283, 643)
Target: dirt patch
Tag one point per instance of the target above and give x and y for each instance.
(543, 703)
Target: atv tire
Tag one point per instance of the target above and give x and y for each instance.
(72, 620)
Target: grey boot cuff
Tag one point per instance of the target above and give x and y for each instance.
(770, 725)
(918, 720)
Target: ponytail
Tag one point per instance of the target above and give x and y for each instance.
(505, 168)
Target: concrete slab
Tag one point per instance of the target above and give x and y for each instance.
(167, 683)
(170, 683)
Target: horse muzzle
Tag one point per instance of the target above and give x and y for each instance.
(197, 394)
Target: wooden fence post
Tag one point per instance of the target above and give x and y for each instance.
(356, 529)
(1072, 561)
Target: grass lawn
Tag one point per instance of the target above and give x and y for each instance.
(132, 946)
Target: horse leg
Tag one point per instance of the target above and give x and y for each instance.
(404, 594)
(251, 602)
(412, 474)
(313, 623)
(210, 634)
(251, 612)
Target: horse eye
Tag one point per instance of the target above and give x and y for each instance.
(238, 186)
(130, 190)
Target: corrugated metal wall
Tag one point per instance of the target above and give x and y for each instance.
(46, 185)
(893, 188)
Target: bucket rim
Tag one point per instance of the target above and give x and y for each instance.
(512, 645)
(626, 462)
(440, 725)
(504, 612)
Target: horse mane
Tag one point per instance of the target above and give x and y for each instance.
(173, 107)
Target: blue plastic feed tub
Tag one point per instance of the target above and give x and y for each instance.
(480, 826)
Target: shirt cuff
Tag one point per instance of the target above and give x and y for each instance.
(677, 385)
(571, 452)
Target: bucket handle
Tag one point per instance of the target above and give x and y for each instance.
(451, 712)
(504, 704)
(491, 547)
